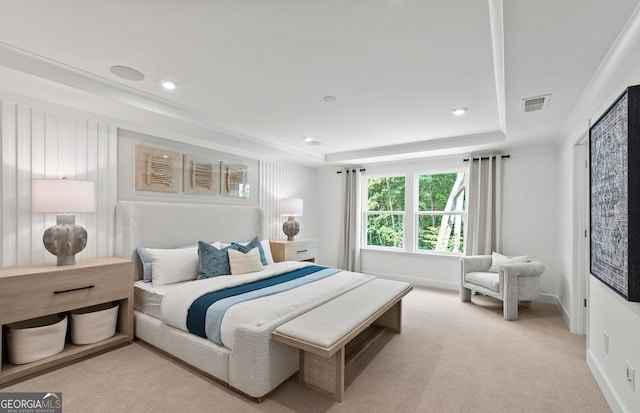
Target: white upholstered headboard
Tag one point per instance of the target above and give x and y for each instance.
(169, 225)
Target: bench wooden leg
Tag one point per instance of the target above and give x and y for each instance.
(323, 374)
(392, 319)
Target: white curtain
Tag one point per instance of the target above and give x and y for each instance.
(349, 256)
(484, 223)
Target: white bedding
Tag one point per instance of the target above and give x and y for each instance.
(148, 298)
(177, 300)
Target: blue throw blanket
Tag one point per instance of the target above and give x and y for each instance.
(205, 315)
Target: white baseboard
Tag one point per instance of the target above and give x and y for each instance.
(445, 285)
(548, 299)
(607, 389)
(454, 286)
(564, 313)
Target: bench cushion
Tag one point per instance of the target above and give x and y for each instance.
(324, 326)
(488, 280)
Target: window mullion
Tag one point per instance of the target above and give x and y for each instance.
(409, 207)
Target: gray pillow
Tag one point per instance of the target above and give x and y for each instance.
(498, 259)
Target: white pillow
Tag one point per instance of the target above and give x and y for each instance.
(266, 246)
(241, 263)
(498, 259)
(173, 265)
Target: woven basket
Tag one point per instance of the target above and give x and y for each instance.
(93, 324)
(36, 339)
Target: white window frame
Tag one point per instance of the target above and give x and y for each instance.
(366, 213)
(417, 213)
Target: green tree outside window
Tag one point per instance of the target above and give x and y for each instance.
(441, 207)
(439, 213)
(385, 206)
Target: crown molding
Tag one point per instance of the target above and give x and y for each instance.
(624, 45)
(418, 149)
(496, 19)
(42, 67)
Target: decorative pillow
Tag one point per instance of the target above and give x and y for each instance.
(147, 270)
(266, 247)
(146, 264)
(213, 261)
(498, 259)
(173, 265)
(243, 263)
(246, 247)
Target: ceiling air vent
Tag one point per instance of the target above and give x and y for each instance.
(535, 103)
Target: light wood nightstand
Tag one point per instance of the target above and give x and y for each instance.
(298, 250)
(33, 291)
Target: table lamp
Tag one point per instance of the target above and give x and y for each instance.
(63, 196)
(291, 207)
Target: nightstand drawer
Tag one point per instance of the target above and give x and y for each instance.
(298, 250)
(63, 289)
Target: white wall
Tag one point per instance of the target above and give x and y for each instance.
(529, 215)
(270, 182)
(44, 141)
(607, 311)
(279, 181)
(565, 215)
(329, 197)
(529, 222)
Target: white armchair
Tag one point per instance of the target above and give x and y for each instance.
(513, 283)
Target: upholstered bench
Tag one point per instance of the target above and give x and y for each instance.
(329, 342)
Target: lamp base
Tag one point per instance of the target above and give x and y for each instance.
(291, 227)
(69, 260)
(65, 239)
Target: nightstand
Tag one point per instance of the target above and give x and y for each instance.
(298, 250)
(28, 292)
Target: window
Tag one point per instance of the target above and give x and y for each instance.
(385, 212)
(416, 212)
(441, 209)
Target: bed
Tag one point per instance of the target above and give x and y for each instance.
(244, 356)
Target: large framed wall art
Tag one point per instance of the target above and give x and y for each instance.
(614, 166)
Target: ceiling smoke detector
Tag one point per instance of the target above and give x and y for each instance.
(535, 103)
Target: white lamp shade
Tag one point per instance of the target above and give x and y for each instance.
(62, 195)
(291, 207)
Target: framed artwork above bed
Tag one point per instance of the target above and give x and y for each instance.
(235, 180)
(157, 169)
(200, 176)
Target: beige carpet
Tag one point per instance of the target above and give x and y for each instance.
(451, 357)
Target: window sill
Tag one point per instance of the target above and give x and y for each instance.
(395, 251)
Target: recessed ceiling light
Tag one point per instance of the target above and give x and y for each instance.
(168, 84)
(459, 111)
(329, 98)
(127, 73)
(308, 139)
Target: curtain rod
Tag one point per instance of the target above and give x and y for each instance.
(484, 158)
(353, 170)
